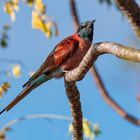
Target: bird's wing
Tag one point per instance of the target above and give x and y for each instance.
(60, 53)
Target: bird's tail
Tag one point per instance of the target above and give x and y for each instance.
(26, 91)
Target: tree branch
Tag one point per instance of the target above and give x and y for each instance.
(112, 103)
(132, 11)
(94, 52)
(8, 126)
(74, 14)
(35, 116)
(75, 106)
(118, 50)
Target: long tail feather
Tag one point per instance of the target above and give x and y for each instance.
(2, 111)
(26, 84)
(26, 91)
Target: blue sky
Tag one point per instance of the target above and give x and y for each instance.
(120, 77)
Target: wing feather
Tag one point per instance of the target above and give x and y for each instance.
(60, 53)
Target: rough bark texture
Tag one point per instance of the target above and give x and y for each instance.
(132, 11)
(118, 50)
(75, 107)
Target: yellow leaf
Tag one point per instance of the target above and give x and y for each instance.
(86, 128)
(48, 25)
(48, 31)
(15, 7)
(38, 23)
(5, 86)
(9, 8)
(39, 6)
(15, 1)
(70, 128)
(16, 71)
(1, 92)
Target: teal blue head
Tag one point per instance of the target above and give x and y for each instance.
(85, 30)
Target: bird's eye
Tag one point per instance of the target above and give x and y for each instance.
(82, 26)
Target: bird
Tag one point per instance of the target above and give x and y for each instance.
(65, 57)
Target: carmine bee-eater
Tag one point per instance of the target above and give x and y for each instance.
(66, 56)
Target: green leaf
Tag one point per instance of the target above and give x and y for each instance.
(3, 43)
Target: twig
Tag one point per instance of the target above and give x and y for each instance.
(112, 103)
(132, 11)
(74, 14)
(35, 116)
(75, 106)
(94, 52)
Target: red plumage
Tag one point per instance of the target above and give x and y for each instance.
(66, 56)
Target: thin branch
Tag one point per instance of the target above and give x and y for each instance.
(34, 116)
(112, 103)
(8, 60)
(74, 14)
(94, 52)
(75, 106)
(132, 11)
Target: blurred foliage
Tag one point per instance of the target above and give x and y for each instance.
(109, 2)
(89, 130)
(40, 20)
(4, 36)
(138, 98)
(10, 7)
(16, 71)
(3, 133)
(12, 69)
(3, 88)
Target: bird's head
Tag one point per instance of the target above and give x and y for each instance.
(85, 30)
